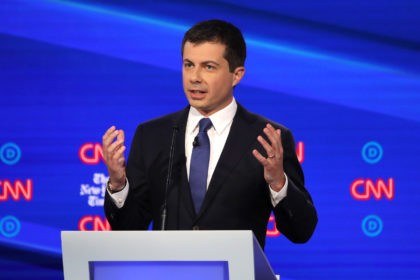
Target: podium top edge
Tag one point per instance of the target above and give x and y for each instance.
(150, 232)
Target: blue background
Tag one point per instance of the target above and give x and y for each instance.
(338, 74)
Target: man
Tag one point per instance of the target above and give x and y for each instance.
(250, 164)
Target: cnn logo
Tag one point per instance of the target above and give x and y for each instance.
(364, 189)
(94, 223)
(91, 153)
(16, 190)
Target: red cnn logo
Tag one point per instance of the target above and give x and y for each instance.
(16, 191)
(362, 189)
(271, 228)
(91, 153)
(300, 151)
(94, 223)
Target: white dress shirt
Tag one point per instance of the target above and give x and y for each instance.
(218, 133)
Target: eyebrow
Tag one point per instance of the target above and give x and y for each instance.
(204, 62)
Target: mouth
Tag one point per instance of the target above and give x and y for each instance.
(196, 93)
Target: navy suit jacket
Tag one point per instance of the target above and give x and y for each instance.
(237, 198)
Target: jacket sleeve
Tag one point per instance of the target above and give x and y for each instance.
(295, 215)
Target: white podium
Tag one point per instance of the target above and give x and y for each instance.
(218, 255)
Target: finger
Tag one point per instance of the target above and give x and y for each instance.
(109, 146)
(111, 149)
(109, 136)
(121, 135)
(273, 136)
(267, 147)
(109, 132)
(260, 157)
(278, 131)
(118, 156)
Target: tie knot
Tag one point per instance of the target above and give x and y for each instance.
(204, 124)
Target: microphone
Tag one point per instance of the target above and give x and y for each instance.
(196, 142)
(169, 176)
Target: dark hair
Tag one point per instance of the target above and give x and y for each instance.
(219, 31)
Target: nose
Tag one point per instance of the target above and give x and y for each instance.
(195, 76)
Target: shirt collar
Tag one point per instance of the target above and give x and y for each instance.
(220, 120)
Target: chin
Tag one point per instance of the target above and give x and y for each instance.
(199, 104)
(201, 108)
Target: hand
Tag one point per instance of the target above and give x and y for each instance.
(273, 164)
(113, 152)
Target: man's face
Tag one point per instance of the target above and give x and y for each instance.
(208, 84)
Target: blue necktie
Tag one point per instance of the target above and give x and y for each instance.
(200, 164)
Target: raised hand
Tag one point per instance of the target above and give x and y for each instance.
(273, 163)
(113, 152)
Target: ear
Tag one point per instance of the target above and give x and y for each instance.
(238, 73)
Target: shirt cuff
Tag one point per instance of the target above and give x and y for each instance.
(276, 197)
(119, 197)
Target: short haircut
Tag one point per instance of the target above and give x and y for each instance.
(219, 31)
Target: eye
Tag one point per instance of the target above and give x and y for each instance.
(188, 64)
(210, 67)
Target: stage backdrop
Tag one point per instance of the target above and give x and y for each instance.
(343, 76)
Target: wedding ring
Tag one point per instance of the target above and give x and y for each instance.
(272, 156)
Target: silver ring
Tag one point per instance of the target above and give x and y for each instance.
(272, 156)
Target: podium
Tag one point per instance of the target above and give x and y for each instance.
(216, 255)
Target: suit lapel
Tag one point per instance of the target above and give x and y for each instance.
(241, 136)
